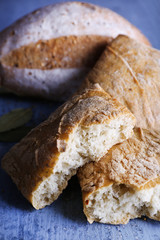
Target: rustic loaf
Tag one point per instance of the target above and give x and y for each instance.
(47, 52)
(125, 183)
(130, 71)
(81, 130)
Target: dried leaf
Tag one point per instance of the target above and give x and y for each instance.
(16, 118)
(14, 135)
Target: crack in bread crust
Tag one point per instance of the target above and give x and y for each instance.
(59, 52)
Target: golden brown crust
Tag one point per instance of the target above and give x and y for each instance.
(135, 163)
(33, 159)
(59, 52)
(130, 71)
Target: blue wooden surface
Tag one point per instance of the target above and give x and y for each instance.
(64, 219)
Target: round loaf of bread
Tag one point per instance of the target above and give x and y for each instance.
(48, 52)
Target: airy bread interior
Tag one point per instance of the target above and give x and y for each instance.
(85, 144)
(117, 204)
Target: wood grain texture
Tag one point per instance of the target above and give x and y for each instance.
(64, 219)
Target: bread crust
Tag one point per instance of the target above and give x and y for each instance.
(134, 163)
(130, 71)
(33, 159)
(55, 22)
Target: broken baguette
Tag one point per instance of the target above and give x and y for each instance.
(81, 130)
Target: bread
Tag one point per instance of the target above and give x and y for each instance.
(125, 183)
(81, 130)
(130, 72)
(48, 52)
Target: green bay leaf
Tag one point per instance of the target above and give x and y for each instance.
(14, 119)
(15, 135)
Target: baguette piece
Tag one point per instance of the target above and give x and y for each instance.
(81, 130)
(125, 183)
(48, 52)
(130, 71)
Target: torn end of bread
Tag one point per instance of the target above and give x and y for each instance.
(125, 183)
(118, 203)
(81, 130)
(84, 144)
